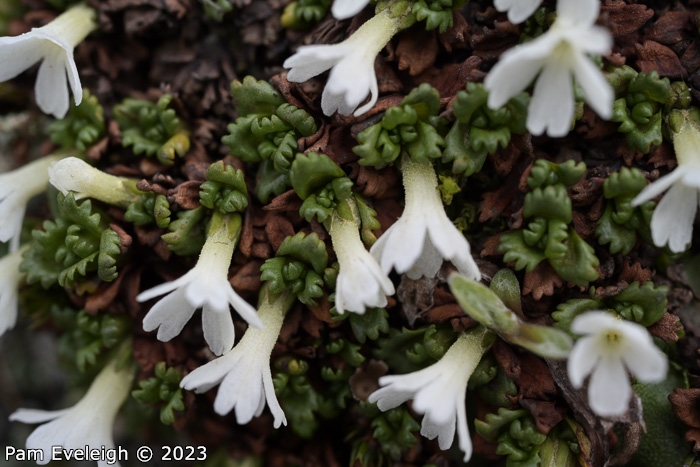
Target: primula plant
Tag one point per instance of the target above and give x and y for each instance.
(350, 232)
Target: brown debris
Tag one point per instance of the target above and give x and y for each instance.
(656, 57)
(541, 281)
(686, 406)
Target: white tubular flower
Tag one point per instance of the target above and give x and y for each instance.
(244, 372)
(351, 62)
(16, 189)
(423, 236)
(75, 175)
(439, 391)
(556, 55)
(10, 278)
(343, 9)
(361, 282)
(610, 346)
(206, 286)
(88, 423)
(672, 221)
(518, 10)
(52, 44)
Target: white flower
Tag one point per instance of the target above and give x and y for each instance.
(610, 346)
(361, 282)
(244, 372)
(351, 62)
(10, 278)
(672, 221)
(75, 175)
(16, 189)
(88, 423)
(518, 10)
(205, 286)
(343, 9)
(423, 236)
(438, 391)
(556, 55)
(53, 45)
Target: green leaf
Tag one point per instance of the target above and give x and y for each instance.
(434, 15)
(255, 97)
(465, 159)
(552, 202)
(377, 147)
(427, 145)
(620, 237)
(270, 182)
(515, 249)
(162, 389)
(83, 127)
(186, 236)
(348, 351)
(649, 299)
(312, 172)
(579, 264)
(298, 267)
(153, 129)
(370, 324)
(224, 190)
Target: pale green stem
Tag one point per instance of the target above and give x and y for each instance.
(222, 238)
(74, 24)
(421, 185)
(345, 234)
(685, 130)
(376, 33)
(468, 349)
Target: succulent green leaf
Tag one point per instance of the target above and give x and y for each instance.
(515, 249)
(312, 172)
(186, 234)
(255, 97)
(153, 129)
(369, 325)
(647, 298)
(224, 190)
(424, 99)
(82, 127)
(435, 15)
(427, 145)
(377, 147)
(465, 159)
(567, 311)
(579, 263)
(110, 249)
(162, 389)
(348, 351)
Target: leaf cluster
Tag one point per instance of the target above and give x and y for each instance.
(410, 127)
(77, 243)
(371, 324)
(82, 127)
(162, 389)
(301, 402)
(642, 303)
(620, 223)
(321, 183)
(186, 235)
(385, 439)
(224, 190)
(409, 350)
(153, 129)
(639, 110)
(548, 234)
(479, 130)
(267, 129)
(436, 13)
(302, 14)
(516, 435)
(150, 208)
(87, 337)
(298, 267)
